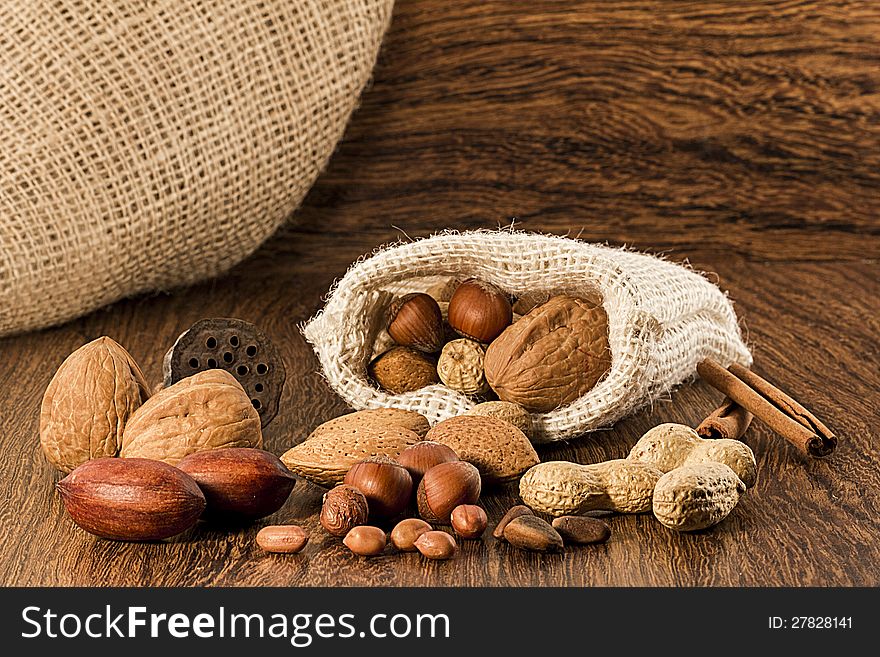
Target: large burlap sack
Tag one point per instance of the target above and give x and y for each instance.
(145, 145)
(663, 319)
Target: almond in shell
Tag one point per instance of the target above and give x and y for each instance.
(499, 450)
(396, 417)
(327, 454)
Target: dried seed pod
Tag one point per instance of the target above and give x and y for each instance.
(343, 508)
(436, 545)
(131, 499)
(460, 367)
(582, 530)
(239, 483)
(512, 512)
(384, 482)
(403, 369)
(469, 520)
(446, 486)
(479, 310)
(88, 403)
(415, 320)
(531, 533)
(405, 533)
(283, 539)
(423, 456)
(365, 540)
(236, 346)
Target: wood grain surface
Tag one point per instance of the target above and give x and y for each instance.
(741, 137)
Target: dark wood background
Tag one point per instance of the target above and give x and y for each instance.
(742, 137)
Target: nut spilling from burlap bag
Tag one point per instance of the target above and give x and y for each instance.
(662, 319)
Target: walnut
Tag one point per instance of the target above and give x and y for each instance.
(88, 403)
(205, 411)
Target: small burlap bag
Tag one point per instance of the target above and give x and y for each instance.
(145, 145)
(663, 319)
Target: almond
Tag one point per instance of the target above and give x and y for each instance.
(327, 454)
(499, 450)
(383, 417)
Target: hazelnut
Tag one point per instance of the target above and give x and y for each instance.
(423, 456)
(436, 545)
(445, 487)
(384, 482)
(365, 540)
(344, 507)
(460, 367)
(469, 520)
(402, 369)
(479, 310)
(405, 533)
(415, 320)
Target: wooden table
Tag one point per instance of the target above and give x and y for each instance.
(742, 138)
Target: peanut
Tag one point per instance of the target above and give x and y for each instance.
(562, 488)
(696, 496)
(669, 446)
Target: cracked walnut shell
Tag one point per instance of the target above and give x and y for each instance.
(88, 402)
(204, 411)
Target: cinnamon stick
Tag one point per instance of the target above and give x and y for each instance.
(768, 403)
(728, 421)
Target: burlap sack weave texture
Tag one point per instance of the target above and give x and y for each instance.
(145, 145)
(663, 319)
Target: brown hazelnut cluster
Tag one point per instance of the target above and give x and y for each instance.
(442, 341)
(541, 352)
(427, 478)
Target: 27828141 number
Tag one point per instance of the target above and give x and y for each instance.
(810, 623)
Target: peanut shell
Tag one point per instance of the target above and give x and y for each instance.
(695, 497)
